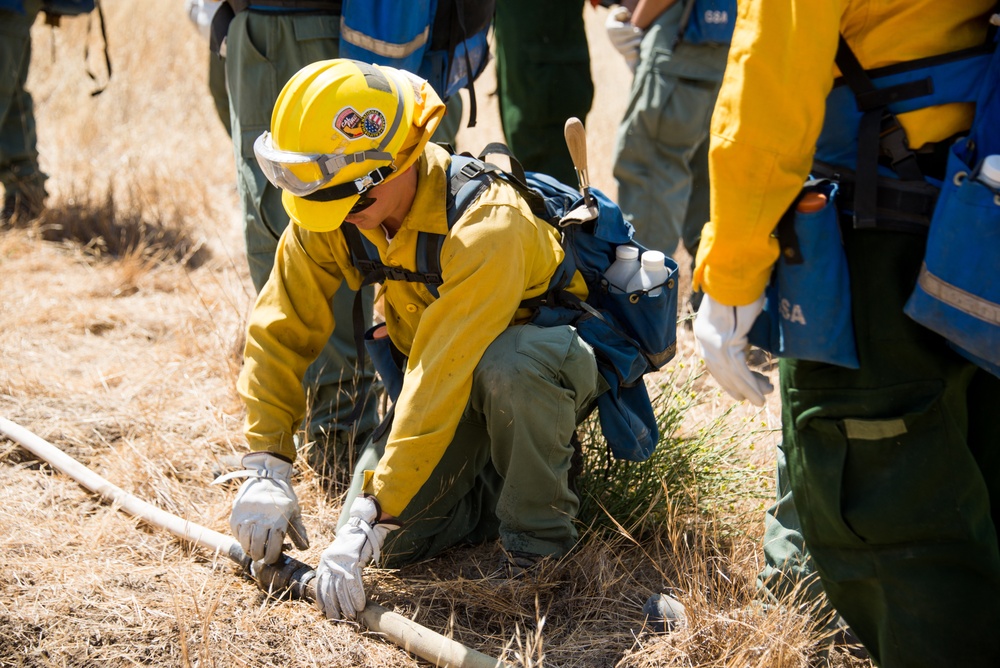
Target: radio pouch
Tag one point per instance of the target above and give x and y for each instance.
(807, 312)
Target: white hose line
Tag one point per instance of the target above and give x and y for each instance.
(406, 633)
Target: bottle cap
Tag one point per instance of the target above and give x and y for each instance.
(653, 258)
(811, 202)
(626, 252)
(991, 169)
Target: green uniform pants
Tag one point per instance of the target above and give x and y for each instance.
(19, 171)
(895, 468)
(661, 150)
(789, 577)
(263, 51)
(506, 472)
(543, 78)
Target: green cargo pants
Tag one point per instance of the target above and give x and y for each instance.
(789, 578)
(895, 468)
(19, 170)
(661, 149)
(263, 51)
(543, 78)
(506, 471)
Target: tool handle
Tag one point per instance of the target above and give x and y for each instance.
(576, 142)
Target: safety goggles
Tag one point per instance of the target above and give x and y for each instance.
(283, 168)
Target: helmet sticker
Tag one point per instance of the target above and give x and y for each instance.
(348, 122)
(354, 125)
(373, 123)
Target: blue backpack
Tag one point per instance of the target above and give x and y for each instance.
(632, 333)
(708, 22)
(442, 41)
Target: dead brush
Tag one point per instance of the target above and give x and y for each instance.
(106, 227)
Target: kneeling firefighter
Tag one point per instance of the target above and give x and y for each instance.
(889, 429)
(483, 435)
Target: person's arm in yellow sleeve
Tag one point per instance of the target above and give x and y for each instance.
(289, 325)
(764, 130)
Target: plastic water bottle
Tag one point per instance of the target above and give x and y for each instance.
(625, 266)
(652, 273)
(989, 173)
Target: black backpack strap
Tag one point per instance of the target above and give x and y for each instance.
(516, 170)
(364, 256)
(879, 132)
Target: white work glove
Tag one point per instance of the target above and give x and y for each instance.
(624, 36)
(340, 593)
(266, 508)
(721, 332)
(201, 13)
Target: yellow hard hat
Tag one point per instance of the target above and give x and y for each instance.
(340, 127)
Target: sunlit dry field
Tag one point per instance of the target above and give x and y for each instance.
(121, 326)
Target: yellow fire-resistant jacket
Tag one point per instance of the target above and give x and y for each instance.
(770, 112)
(496, 255)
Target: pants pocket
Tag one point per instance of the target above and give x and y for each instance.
(881, 467)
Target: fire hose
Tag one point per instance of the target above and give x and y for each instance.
(288, 576)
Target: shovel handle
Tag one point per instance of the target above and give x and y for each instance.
(576, 142)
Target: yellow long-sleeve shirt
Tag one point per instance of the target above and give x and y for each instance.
(770, 113)
(496, 255)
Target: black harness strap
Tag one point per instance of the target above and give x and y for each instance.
(879, 133)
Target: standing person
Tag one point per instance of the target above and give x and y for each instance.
(661, 149)
(661, 167)
(201, 13)
(266, 43)
(23, 180)
(483, 436)
(543, 78)
(892, 464)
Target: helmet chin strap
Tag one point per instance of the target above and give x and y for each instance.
(356, 187)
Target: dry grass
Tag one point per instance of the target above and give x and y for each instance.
(120, 330)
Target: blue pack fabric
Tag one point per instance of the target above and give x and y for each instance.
(710, 22)
(958, 290)
(386, 360)
(807, 312)
(957, 294)
(631, 334)
(954, 80)
(443, 41)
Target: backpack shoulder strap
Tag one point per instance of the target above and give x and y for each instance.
(364, 255)
(468, 178)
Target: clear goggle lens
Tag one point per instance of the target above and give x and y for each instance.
(280, 167)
